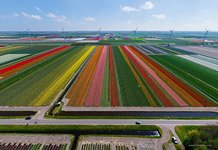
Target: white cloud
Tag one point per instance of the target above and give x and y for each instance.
(90, 19)
(31, 16)
(147, 5)
(160, 16)
(128, 9)
(57, 18)
(38, 9)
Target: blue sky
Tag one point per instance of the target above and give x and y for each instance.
(75, 15)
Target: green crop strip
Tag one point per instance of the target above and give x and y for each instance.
(150, 90)
(104, 97)
(131, 93)
(33, 49)
(26, 90)
(6, 83)
(200, 77)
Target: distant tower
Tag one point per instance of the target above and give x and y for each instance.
(28, 32)
(205, 36)
(64, 35)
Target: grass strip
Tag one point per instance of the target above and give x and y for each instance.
(200, 77)
(68, 129)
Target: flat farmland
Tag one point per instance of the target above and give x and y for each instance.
(157, 76)
(13, 54)
(107, 76)
(207, 51)
(38, 83)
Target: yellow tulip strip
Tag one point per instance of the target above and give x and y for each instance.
(55, 88)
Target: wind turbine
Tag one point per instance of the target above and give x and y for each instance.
(134, 31)
(64, 35)
(28, 31)
(205, 35)
(99, 32)
(171, 34)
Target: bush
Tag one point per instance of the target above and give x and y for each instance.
(199, 137)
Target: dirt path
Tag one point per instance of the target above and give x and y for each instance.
(165, 137)
(172, 129)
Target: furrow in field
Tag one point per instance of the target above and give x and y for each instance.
(130, 93)
(28, 50)
(169, 90)
(94, 96)
(25, 92)
(144, 89)
(113, 89)
(185, 91)
(203, 50)
(9, 48)
(13, 69)
(208, 59)
(200, 62)
(105, 87)
(27, 72)
(164, 77)
(145, 50)
(164, 100)
(169, 51)
(154, 50)
(83, 81)
(53, 89)
(195, 75)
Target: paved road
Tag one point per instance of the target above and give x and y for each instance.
(170, 124)
(107, 122)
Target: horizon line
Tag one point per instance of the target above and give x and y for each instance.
(107, 31)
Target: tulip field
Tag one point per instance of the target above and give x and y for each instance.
(117, 76)
(107, 76)
(37, 80)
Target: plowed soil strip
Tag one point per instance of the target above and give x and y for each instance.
(84, 81)
(113, 89)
